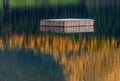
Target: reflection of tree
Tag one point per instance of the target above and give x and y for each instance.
(5, 6)
(82, 59)
(6, 16)
(83, 3)
(83, 7)
(36, 2)
(45, 2)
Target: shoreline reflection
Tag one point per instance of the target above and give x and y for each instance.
(82, 59)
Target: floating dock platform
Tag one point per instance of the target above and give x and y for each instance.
(67, 25)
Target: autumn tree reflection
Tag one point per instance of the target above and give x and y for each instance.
(82, 59)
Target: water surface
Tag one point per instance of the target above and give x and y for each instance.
(26, 54)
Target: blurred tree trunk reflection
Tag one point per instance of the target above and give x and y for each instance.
(83, 8)
(83, 5)
(6, 6)
(6, 19)
(6, 10)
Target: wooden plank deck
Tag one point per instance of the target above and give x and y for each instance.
(67, 25)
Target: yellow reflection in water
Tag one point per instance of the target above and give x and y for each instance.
(82, 59)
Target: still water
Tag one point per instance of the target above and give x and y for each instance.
(26, 54)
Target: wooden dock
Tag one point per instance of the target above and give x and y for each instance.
(67, 25)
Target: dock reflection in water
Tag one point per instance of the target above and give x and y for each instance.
(76, 59)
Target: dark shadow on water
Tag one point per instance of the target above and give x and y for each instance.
(25, 66)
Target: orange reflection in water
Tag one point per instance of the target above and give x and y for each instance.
(82, 59)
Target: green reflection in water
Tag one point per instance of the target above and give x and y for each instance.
(82, 59)
(38, 3)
